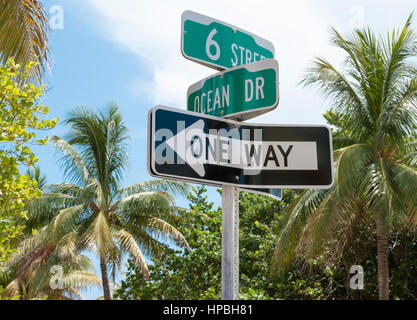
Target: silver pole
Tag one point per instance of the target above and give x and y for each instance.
(230, 243)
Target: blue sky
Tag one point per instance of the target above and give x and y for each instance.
(128, 52)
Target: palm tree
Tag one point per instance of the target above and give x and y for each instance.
(93, 209)
(24, 28)
(32, 271)
(42, 249)
(375, 96)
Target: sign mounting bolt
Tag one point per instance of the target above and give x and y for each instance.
(234, 30)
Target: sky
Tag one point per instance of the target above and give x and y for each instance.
(128, 52)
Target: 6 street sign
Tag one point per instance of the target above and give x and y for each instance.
(243, 92)
(200, 148)
(219, 45)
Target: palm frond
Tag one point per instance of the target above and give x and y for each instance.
(165, 230)
(345, 95)
(114, 261)
(321, 227)
(24, 29)
(145, 203)
(296, 216)
(43, 210)
(66, 221)
(128, 243)
(312, 219)
(410, 156)
(27, 245)
(80, 279)
(404, 183)
(85, 193)
(12, 289)
(350, 167)
(97, 236)
(175, 188)
(73, 165)
(146, 241)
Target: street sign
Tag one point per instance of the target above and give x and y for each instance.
(205, 149)
(242, 93)
(219, 45)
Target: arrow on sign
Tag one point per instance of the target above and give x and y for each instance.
(198, 148)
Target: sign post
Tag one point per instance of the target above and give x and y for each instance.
(230, 243)
(201, 146)
(219, 45)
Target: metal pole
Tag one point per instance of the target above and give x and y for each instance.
(230, 243)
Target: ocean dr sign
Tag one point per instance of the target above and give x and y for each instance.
(206, 149)
(220, 45)
(242, 93)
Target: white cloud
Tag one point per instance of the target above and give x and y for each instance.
(151, 29)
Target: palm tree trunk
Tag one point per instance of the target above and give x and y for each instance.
(382, 257)
(105, 278)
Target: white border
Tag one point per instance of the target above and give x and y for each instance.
(236, 123)
(202, 19)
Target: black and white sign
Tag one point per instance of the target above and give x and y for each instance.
(200, 148)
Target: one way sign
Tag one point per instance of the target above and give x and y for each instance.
(200, 148)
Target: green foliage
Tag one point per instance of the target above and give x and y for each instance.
(402, 260)
(321, 279)
(18, 297)
(341, 133)
(192, 273)
(260, 220)
(19, 116)
(195, 273)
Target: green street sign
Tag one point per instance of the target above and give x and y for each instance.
(220, 45)
(241, 93)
